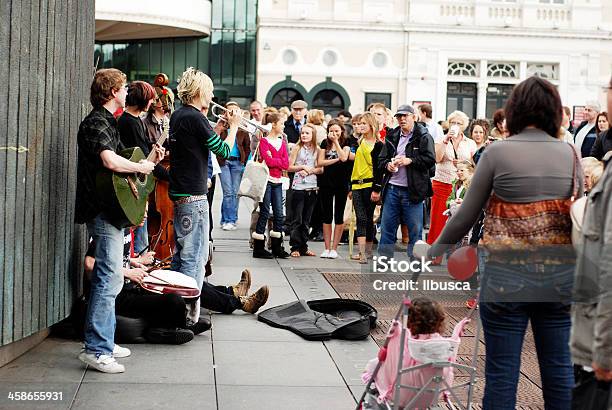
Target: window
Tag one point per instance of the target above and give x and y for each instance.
(462, 97)
(462, 69)
(543, 70)
(143, 59)
(233, 39)
(330, 101)
(502, 70)
(371, 98)
(497, 95)
(285, 96)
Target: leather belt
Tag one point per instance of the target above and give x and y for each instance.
(233, 158)
(189, 199)
(362, 181)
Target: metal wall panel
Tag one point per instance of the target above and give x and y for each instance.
(46, 65)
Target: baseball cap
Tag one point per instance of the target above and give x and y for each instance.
(404, 109)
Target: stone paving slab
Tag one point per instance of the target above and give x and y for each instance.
(310, 284)
(54, 360)
(92, 396)
(229, 275)
(283, 398)
(275, 364)
(164, 364)
(248, 328)
(351, 357)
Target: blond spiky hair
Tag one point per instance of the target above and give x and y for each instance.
(194, 84)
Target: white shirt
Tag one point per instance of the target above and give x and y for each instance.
(582, 135)
(275, 142)
(216, 169)
(435, 130)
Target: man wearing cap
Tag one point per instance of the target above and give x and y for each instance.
(402, 175)
(293, 127)
(294, 124)
(585, 135)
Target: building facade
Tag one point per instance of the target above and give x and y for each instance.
(143, 38)
(454, 54)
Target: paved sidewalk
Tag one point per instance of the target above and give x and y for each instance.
(240, 364)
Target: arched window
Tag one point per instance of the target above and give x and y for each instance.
(285, 96)
(503, 70)
(330, 101)
(462, 69)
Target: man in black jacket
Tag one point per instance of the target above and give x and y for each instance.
(294, 124)
(402, 174)
(584, 137)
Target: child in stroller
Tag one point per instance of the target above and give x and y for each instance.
(424, 342)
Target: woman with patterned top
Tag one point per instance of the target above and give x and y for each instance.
(530, 262)
(303, 162)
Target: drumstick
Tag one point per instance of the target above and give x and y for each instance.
(161, 231)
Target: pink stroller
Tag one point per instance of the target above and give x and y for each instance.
(413, 372)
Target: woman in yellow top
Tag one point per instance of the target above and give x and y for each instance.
(361, 183)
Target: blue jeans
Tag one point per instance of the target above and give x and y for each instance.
(231, 174)
(274, 197)
(504, 325)
(397, 208)
(106, 283)
(191, 239)
(141, 237)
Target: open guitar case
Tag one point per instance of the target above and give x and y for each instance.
(323, 319)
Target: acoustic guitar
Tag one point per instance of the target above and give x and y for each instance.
(125, 194)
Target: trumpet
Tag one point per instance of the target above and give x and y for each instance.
(245, 124)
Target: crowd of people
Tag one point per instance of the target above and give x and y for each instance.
(505, 185)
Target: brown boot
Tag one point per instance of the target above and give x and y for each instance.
(251, 304)
(242, 288)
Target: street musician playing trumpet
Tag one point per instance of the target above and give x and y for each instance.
(248, 125)
(191, 140)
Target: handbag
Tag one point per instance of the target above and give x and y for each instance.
(254, 179)
(590, 393)
(577, 212)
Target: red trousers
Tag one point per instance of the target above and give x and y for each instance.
(441, 192)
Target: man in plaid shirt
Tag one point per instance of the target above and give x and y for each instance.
(98, 142)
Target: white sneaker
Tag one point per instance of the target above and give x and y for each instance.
(226, 227)
(120, 352)
(233, 227)
(104, 363)
(333, 254)
(325, 253)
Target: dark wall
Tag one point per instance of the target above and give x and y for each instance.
(46, 66)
